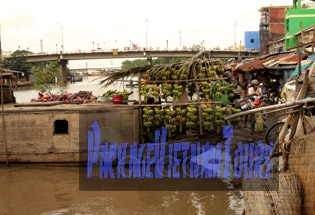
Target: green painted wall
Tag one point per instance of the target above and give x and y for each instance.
(293, 17)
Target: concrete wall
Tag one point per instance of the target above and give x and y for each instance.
(30, 135)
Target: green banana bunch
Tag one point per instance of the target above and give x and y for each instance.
(192, 116)
(177, 91)
(220, 114)
(180, 118)
(169, 121)
(148, 118)
(207, 117)
(166, 90)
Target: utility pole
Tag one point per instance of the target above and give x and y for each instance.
(146, 34)
(62, 45)
(235, 33)
(180, 40)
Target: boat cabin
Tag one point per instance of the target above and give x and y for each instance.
(7, 87)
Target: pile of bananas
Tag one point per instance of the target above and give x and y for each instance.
(205, 87)
(230, 92)
(177, 91)
(211, 73)
(180, 118)
(124, 93)
(220, 114)
(145, 91)
(148, 118)
(159, 115)
(219, 70)
(167, 89)
(109, 93)
(236, 120)
(192, 116)
(204, 68)
(175, 73)
(170, 121)
(221, 88)
(201, 71)
(207, 117)
(150, 90)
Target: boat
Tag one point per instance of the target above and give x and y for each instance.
(55, 132)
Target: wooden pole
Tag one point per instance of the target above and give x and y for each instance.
(2, 107)
(271, 107)
(198, 99)
(142, 140)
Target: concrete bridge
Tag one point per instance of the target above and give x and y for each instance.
(139, 54)
(63, 58)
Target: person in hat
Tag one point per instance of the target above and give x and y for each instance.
(255, 89)
(260, 117)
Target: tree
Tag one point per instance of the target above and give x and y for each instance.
(127, 64)
(17, 61)
(45, 78)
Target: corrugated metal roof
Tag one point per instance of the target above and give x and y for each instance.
(262, 62)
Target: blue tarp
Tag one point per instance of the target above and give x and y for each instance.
(303, 67)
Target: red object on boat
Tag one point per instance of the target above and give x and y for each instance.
(117, 99)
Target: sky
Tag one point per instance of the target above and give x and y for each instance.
(37, 26)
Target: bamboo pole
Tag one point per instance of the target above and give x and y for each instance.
(271, 107)
(2, 107)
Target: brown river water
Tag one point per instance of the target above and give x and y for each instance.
(51, 190)
(54, 190)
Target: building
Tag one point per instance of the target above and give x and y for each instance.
(271, 26)
(297, 18)
(252, 40)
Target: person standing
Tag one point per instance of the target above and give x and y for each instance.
(260, 117)
(245, 87)
(254, 90)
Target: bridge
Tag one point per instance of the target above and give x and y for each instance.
(140, 54)
(63, 58)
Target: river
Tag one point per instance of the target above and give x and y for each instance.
(48, 190)
(54, 190)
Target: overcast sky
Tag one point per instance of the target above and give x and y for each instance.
(182, 23)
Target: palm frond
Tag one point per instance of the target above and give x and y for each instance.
(115, 76)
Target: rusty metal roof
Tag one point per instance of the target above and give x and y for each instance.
(283, 58)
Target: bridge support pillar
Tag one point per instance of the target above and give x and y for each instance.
(149, 60)
(63, 71)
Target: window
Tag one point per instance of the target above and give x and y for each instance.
(61, 127)
(252, 40)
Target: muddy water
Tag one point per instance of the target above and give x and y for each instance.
(48, 190)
